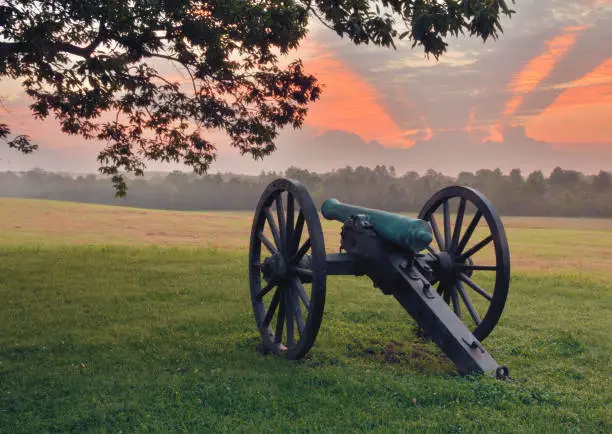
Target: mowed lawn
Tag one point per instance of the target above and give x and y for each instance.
(128, 320)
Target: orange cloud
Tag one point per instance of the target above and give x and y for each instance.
(351, 104)
(580, 114)
(512, 105)
(538, 68)
(427, 131)
(470, 125)
(531, 75)
(495, 134)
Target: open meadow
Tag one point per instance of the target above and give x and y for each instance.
(116, 319)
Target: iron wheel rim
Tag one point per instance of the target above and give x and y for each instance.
(290, 298)
(457, 290)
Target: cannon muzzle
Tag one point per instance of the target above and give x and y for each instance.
(395, 228)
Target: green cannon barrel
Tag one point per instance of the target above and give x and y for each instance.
(398, 229)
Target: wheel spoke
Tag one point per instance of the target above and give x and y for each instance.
(280, 212)
(297, 284)
(475, 287)
(458, 224)
(447, 228)
(477, 267)
(290, 218)
(270, 286)
(300, 253)
(476, 248)
(273, 228)
(297, 233)
(302, 272)
(268, 243)
(468, 303)
(299, 318)
(290, 311)
(272, 308)
(443, 291)
(455, 298)
(436, 231)
(280, 320)
(469, 231)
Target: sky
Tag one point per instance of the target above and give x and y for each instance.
(538, 97)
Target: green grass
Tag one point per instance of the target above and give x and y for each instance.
(151, 339)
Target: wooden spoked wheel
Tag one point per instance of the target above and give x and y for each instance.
(287, 269)
(471, 259)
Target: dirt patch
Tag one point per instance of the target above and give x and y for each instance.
(418, 356)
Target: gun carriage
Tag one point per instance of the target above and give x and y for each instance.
(426, 264)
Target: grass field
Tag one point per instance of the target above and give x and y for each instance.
(126, 320)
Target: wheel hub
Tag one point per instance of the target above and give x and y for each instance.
(275, 268)
(446, 266)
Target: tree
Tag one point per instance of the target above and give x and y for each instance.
(516, 177)
(566, 179)
(91, 64)
(602, 182)
(536, 183)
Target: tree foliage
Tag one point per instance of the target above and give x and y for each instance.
(92, 65)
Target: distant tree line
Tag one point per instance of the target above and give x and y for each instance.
(562, 193)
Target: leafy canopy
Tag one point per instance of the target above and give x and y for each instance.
(92, 65)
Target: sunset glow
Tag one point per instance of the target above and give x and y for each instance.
(532, 74)
(540, 67)
(580, 114)
(349, 103)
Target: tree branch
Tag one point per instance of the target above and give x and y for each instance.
(8, 48)
(174, 59)
(102, 34)
(314, 12)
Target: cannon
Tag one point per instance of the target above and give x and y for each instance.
(449, 268)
